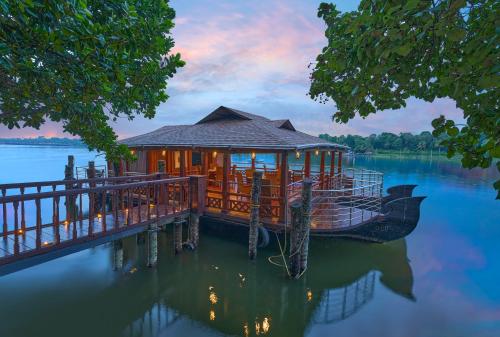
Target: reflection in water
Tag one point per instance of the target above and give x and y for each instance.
(340, 281)
(339, 304)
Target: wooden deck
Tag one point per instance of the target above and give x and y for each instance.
(114, 209)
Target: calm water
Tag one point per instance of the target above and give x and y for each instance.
(442, 280)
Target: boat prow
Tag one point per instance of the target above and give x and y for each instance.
(400, 216)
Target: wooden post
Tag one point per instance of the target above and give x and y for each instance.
(339, 167)
(93, 205)
(226, 165)
(283, 185)
(306, 222)
(322, 170)
(182, 159)
(332, 170)
(197, 206)
(153, 244)
(307, 165)
(69, 175)
(178, 236)
(295, 240)
(117, 254)
(253, 234)
(205, 162)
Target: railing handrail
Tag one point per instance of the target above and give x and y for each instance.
(73, 191)
(9, 186)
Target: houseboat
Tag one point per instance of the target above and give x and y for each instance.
(227, 146)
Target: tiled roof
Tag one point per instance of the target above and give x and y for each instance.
(229, 128)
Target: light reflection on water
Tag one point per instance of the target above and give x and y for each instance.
(440, 281)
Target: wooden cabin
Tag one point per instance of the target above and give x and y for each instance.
(227, 146)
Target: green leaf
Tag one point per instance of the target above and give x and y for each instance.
(403, 50)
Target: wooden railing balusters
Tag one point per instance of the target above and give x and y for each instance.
(114, 207)
(56, 220)
(4, 212)
(23, 216)
(53, 204)
(129, 211)
(172, 194)
(16, 228)
(157, 200)
(91, 213)
(103, 210)
(38, 224)
(148, 202)
(165, 187)
(139, 206)
(80, 205)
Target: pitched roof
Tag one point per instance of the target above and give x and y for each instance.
(230, 128)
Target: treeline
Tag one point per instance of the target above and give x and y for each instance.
(386, 141)
(42, 141)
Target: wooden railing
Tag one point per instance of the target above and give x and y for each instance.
(41, 221)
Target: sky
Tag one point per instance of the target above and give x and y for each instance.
(254, 56)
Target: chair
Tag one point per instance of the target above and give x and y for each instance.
(266, 209)
(242, 187)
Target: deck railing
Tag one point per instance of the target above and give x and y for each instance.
(42, 220)
(347, 199)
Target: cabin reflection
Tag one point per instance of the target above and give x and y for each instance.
(341, 303)
(231, 297)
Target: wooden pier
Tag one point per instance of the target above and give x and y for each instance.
(42, 225)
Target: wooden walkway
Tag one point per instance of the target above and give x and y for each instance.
(90, 212)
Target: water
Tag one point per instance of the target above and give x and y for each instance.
(442, 280)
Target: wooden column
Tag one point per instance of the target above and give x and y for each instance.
(339, 167)
(332, 169)
(283, 185)
(306, 223)
(197, 206)
(226, 166)
(295, 241)
(205, 162)
(332, 164)
(307, 165)
(253, 160)
(153, 244)
(178, 236)
(253, 232)
(322, 170)
(182, 159)
(117, 254)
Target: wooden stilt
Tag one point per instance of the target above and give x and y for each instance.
(253, 235)
(152, 244)
(306, 222)
(295, 240)
(339, 167)
(117, 254)
(198, 188)
(307, 165)
(178, 236)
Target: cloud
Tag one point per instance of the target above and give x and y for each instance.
(254, 56)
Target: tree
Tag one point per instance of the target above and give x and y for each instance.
(84, 64)
(387, 51)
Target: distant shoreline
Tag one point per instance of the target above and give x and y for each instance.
(42, 141)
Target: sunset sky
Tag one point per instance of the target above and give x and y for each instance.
(254, 56)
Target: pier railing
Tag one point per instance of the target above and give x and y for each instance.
(33, 222)
(347, 199)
